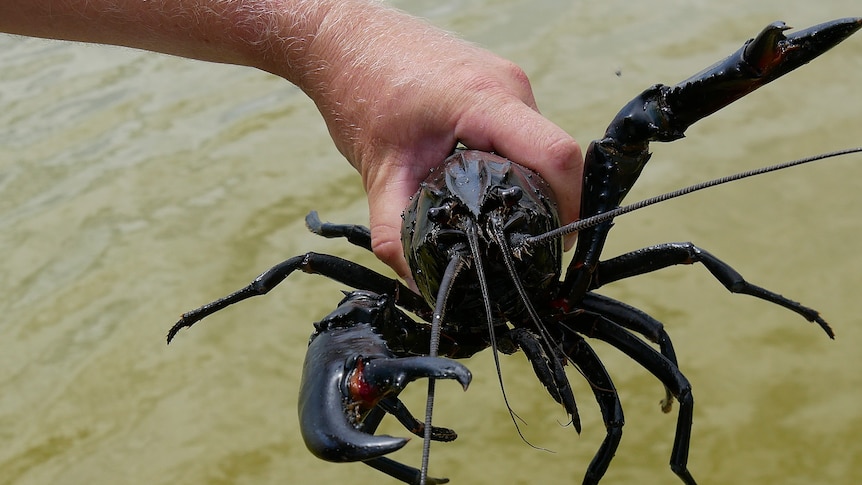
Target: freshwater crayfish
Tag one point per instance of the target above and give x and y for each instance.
(485, 219)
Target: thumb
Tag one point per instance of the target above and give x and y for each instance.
(386, 201)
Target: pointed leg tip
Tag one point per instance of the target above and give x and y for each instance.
(312, 222)
(666, 405)
(182, 323)
(575, 422)
(825, 326)
(172, 333)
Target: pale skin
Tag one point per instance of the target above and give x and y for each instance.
(396, 93)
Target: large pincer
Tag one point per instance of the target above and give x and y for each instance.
(350, 377)
(663, 113)
(761, 60)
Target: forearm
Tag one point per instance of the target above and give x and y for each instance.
(278, 36)
(396, 93)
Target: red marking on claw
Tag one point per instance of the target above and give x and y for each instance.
(361, 391)
(561, 304)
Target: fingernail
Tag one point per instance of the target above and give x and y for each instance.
(411, 284)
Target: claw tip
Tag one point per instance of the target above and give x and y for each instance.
(666, 405)
(465, 378)
(312, 222)
(826, 328)
(174, 330)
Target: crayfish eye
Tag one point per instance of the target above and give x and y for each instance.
(440, 214)
(511, 195)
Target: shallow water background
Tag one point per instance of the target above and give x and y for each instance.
(136, 186)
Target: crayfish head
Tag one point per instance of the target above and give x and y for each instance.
(488, 195)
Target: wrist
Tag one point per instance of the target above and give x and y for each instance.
(366, 65)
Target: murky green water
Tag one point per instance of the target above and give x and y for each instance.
(135, 186)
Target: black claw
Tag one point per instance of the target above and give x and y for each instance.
(397, 373)
(312, 222)
(764, 59)
(350, 375)
(825, 326)
(806, 44)
(356, 234)
(772, 54)
(176, 328)
(329, 418)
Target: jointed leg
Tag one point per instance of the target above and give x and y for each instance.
(637, 321)
(338, 269)
(548, 367)
(583, 356)
(595, 325)
(661, 256)
(395, 407)
(354, 233)
(397, 470)
(400, 471)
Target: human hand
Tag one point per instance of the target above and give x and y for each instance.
(398, 95)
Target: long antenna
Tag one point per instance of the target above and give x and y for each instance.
(611, 214)
(456, 264)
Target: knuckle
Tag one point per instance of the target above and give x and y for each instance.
(501, 77)
(389, 251)
(516, 75)
(564, 154)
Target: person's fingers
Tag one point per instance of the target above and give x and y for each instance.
(522, 135)
(517, 132)
(387, 199)
(390, 182)
(485, 105)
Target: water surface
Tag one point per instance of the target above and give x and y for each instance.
(135, 186)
